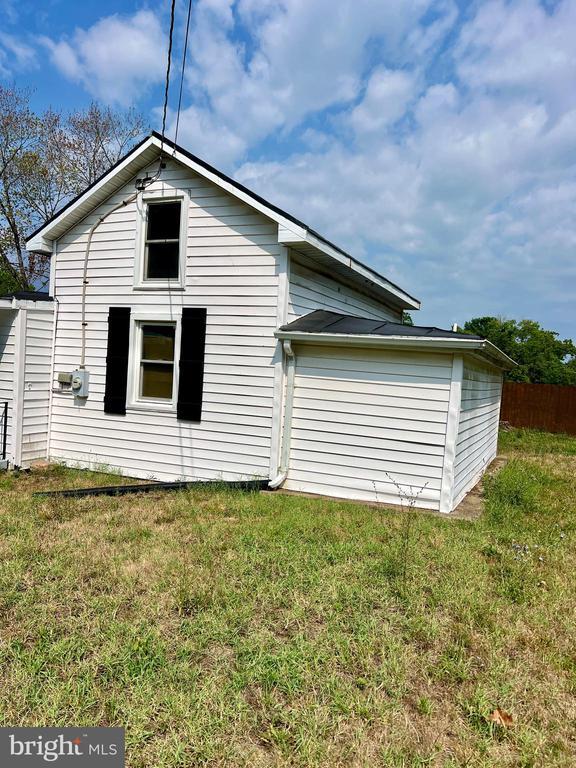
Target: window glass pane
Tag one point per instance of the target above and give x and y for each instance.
(162, 261)
(163, 221)
(158, 342)
(156, 380)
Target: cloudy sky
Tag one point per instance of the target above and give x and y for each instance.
(435, 139)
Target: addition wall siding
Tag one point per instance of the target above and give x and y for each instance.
(369, 424)
(7, 356)
(309, 291)
(231, 268)
(36, 392)
(477, 441)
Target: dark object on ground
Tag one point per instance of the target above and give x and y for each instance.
(121, 490)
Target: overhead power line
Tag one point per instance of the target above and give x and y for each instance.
(183, 70)
(172, 10)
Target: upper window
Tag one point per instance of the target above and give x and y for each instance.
(162, 245)
(156, 364)
(160, 254)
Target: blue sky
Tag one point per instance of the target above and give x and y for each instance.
(434, 139)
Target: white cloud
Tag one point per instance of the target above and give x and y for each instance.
(15, 55)
(303, 57)
(471, 205)
(387, 96)
(521, 46)
(201, 133)
(117, 59)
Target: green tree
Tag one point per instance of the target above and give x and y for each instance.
(542, 357)
(9, 283)
(407, 318)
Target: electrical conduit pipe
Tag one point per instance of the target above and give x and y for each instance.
(280, 478)
(141, 185)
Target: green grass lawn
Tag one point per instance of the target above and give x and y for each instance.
(234, 629)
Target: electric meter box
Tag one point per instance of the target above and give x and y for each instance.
(80, 382)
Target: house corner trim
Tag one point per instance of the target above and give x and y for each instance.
(281, 318)
(19, 376)
(452, 425)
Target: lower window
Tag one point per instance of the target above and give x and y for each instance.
(156, 362)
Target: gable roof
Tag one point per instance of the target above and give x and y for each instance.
(291, 231)
(323, 327)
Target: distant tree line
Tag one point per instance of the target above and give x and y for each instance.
(45, 160)
(542, 356)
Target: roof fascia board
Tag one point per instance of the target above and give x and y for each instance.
(491, 350)
(16, 304)
(479, 346)
(291, 237)
(39, 244)
(42, 306)
(41, 241)
(363, 270)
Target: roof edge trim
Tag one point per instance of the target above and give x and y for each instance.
(480, 347)
(309, 237)
(40, 240)
(291, 229)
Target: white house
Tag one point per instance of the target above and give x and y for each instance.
(195, 331)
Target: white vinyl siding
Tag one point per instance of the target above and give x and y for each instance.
(231, 270)
(7, 355)
(36, 393)
(368, 422)
(477, 441)
(309, 291)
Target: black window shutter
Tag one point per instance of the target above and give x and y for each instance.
(191, 381)
(117, 360)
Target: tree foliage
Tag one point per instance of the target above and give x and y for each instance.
(46, 159)
(542, 357)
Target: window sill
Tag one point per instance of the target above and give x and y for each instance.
(159, 287)
(150, 408)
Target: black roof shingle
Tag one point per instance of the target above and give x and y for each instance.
(28, 296)
(322, 321)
